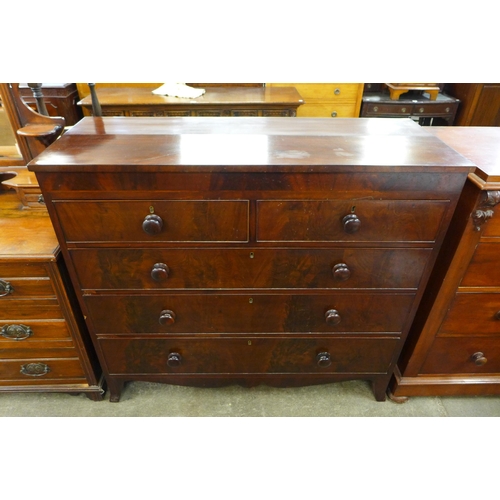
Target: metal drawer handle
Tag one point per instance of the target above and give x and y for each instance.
(334, 114)
(336, 91)
(375, 109)
(5, 288)
(479, 359)
(35, 369)
(16, 332)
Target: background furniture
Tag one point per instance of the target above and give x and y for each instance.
(454, 345)
(336, 100)
(480, 103)
(59, 99)
(44, 344)
(217, 101)
(295, 253)
(421, 108)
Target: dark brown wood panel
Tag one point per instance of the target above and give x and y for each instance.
(247, 355)
(194, 220)
(387, 221)
(252, 267)
(483, 269)
(249, 313)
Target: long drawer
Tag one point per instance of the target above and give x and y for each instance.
(473, 314)
(248, 313)
(454, 355)
(185, 268)
(33, 308)
(248, 355)
(40, 370)
(13, 288)
(32, 331)
(165, 221)
(360, 221)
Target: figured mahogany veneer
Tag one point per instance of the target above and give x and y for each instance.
(454, 344)
(287, 252)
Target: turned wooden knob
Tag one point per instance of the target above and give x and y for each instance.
(174, 359)
(351, 223)
(167, 317)
(341, 272)
(323, 359)
(152, 224)
(479, 359)
(160, 272)
(332, 317)
(497, 315)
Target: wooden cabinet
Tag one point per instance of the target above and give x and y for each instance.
(278, 251)
(336, 100)
(480, 103)
(44, 344)
(454, 345)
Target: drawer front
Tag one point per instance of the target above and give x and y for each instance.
(360, 221)
(473, 314)
(375, 109)
(327, 91)
(9, 270)
(248, 313)
(23, 309)
(16, 334)
(463, 355)
(492, 227)
(186, 268)
(433, 109)
(247, 355)
(484, 268)
(40, 370)
(15, 288)
(328, 110)
(160, 221)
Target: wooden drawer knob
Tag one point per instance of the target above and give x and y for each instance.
(351, 223)
(16, 332)
(341, 272)
(160, 272)
(167, 317)
(153, 224)
(323, 359)
(5, 288)
(332, 317)
(479, 359)
(174, 359)
(497, 316)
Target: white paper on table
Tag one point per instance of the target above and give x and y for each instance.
(179, 90)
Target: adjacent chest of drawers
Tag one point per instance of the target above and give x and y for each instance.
(274, 251)
(44, 346)
(454, 346)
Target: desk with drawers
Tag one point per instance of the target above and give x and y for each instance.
(287, 252)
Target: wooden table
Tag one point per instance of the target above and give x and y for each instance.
(217, 101)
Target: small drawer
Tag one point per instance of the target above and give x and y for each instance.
(473, 314)
(249, 313)
(16, 288)
(353, 221)
(433, 109)
(328, 110)
(156, 221)
(463, 355)
(484, 268)
(40, 370)
(22, 270)
(247, 355)
(24, 309)
(16, 333)
(376, 109)
(328, 91)
(185, 268)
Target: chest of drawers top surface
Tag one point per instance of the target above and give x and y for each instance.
(249, 144)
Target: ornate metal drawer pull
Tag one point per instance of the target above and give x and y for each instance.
(5, 288)
(35, 369)
(16, 332)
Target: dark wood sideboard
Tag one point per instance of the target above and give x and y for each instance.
(217, 101)
(257, 250)
(454, 344)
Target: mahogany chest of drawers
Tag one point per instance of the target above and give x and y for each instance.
(454, 345)
(251, 250)
(44, 345)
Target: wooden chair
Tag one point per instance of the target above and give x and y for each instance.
(35, 131)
